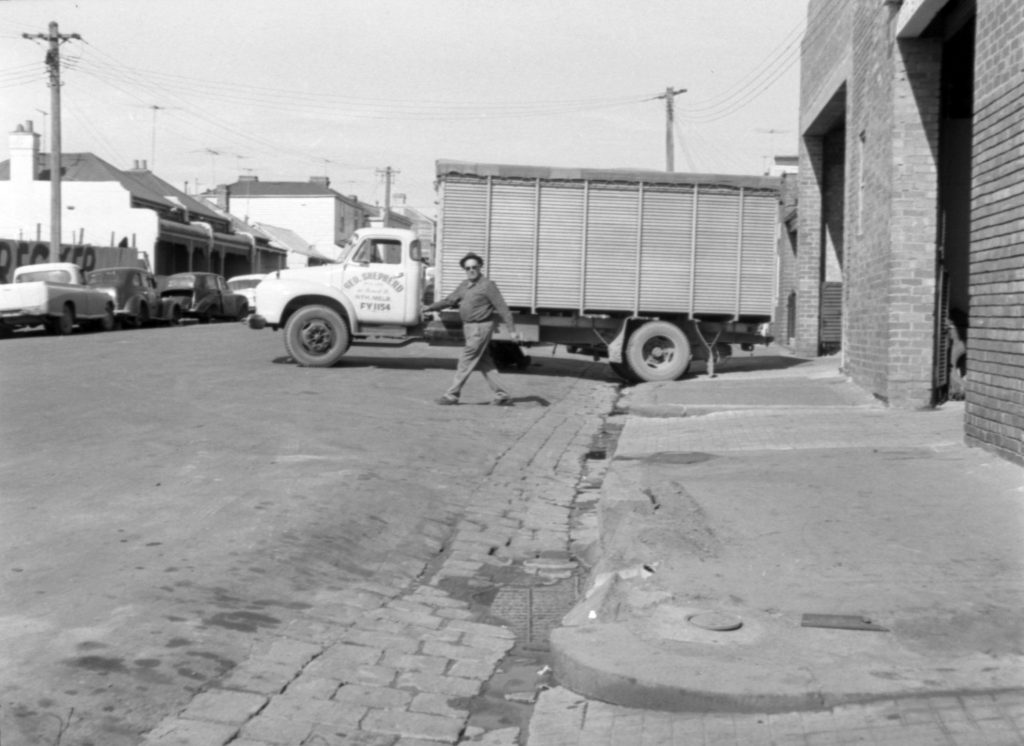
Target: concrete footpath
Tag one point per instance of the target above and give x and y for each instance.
(782, 559)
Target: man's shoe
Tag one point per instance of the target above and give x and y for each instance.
(502, 401)
(447, 401)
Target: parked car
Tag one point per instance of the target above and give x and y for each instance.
(137, 300)
(245, 285)
(54, 295)
(205, 296)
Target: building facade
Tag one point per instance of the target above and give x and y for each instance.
(103, 207)
(322, 217)
(911, 182)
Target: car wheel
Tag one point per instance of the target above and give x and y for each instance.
(143, 318)
(243, 311)
(316, 336)
(64, 324)
(108, 322)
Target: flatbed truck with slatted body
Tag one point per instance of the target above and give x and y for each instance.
(648, 270)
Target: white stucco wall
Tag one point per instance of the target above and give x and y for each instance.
(313, 218)
(93, 212)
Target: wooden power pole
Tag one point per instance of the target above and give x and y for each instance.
(388, 174)
(669, 96)
(55, 39)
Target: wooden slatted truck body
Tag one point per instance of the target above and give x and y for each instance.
(647, 269)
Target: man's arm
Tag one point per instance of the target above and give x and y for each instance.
(498, 301)
(453, 298)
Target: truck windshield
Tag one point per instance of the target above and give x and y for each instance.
(46, 275)
(346, 252)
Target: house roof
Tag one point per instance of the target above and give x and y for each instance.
(255, 188)
(176, 197)
(291, 241)
(90, 167)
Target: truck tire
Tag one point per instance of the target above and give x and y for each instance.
(316, 336)
(63, 324)
(657, 351)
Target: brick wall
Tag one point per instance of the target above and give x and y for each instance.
(825, 59)
(807, 274)
(787, 253)
(995, 377)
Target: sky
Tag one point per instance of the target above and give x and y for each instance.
(283, 90)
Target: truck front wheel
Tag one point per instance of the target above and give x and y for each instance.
(657, 351)
(316, 336)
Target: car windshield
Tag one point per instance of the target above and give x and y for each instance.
(46, 275)
(244, 284)
(106, 277)
(181, 282)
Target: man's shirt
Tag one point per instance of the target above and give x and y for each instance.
(478, 302)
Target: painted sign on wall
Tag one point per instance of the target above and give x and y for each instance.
(14, 254)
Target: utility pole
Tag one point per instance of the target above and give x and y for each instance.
(55, 39)
(152, 146)
(669, 96)
(388, 174)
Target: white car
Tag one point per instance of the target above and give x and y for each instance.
(245, 285)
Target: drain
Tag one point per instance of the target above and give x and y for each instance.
(530, 607)
(532, 611)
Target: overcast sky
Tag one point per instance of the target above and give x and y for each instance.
(206, 91)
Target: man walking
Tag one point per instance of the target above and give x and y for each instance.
(480, 305)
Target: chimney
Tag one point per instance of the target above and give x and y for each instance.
(320, 181)
(24, 145)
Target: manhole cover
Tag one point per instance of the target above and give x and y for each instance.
(716, 621)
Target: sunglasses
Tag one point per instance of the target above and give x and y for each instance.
(471, 267)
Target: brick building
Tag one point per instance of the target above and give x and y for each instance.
(911, 182)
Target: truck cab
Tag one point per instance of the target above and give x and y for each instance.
(376, 291)
(383, 273)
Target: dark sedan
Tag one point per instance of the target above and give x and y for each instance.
(136, 298)
(205, 296)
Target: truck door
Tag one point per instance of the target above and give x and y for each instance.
(376, 281)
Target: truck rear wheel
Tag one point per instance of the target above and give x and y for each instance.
(316, 336)
(657, 351)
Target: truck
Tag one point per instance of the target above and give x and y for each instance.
(648, 270)
(54, 295)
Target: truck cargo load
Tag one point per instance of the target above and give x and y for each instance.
(592, 258)
(618, 242)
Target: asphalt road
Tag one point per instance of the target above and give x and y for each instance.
(168, 494)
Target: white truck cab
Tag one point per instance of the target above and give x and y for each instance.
(375, 292)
